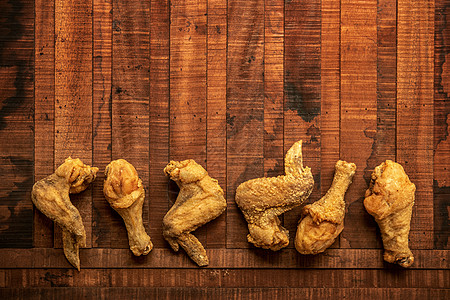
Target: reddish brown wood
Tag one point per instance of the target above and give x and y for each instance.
(358, 113)
(130, 98)
(415, 111)
(44, 110)
(330, 97)
(441, 167)
(16, 124)
(226, 278)
(73, 96)
(159, 118)
(302, 87)
(232, 293)
(219, 258)
(102, 213)
(245, 107)
(216, 107)
(188, 60)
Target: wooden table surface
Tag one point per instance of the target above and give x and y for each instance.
(232, 84)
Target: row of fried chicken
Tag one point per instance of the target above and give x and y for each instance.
(389, 199)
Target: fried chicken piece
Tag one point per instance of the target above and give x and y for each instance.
(324, 219)
(199, 201)
(124, 191)
(262, 200)
(51, 196)
(390, 199)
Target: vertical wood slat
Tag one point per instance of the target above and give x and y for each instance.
(415, 30)
(44, 110)
(358, 112)
(216, 110)
(16, 123)
(330, 94)
(441, 163)
(245, 107)
(273, 87)
(159, 117)
(102, 213)
(302, 87)
(73, 95)
(188, 47)
(130, 98)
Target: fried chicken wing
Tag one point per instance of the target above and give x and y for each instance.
(199, 201)
(51, 196)
(124, 191)
(324, 219)
(262, 200)
(390, 199)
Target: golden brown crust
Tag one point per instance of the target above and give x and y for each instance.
(51, 196)
(199, 201)
(324, 219)
(262, 200)
(390, 199)
(125, 193)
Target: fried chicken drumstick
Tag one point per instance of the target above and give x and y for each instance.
(262, 200)
(390, 199)
(199, 201)
(324, 219)
(51, 196)
(124, 191)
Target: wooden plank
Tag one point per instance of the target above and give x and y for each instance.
(216, 107)
(44, 110)
(188, 60)
(302, 85)
(159, 117)
(16, 123)
(95, 258)
(231, 293)
(73, 96)
(415, 111)
(245, 107)
(330, 94)
(441, 182)
(273, 88)
(226, 278)
(101, 118)
(358, 113)
(130, 98)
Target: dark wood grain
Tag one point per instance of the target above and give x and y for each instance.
(73, 96)
(358, 113)
(219, 258)
(302, 87)
(16, 124)
(216, 108)
(159, 117)
(231, 84)
(441, 162)
(44, 110)
(226, 278)
(231, 293)
(130, 98)
(415, 111)
(245, 107)
(102, 213)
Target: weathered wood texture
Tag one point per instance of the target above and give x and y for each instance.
(232, 84)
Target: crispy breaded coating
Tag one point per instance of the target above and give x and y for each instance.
(51, 196)
(390, 199)
(125, 193)
(262, 200)
(199, 201)
(324, 219)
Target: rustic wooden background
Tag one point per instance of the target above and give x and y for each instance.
(231, 84)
